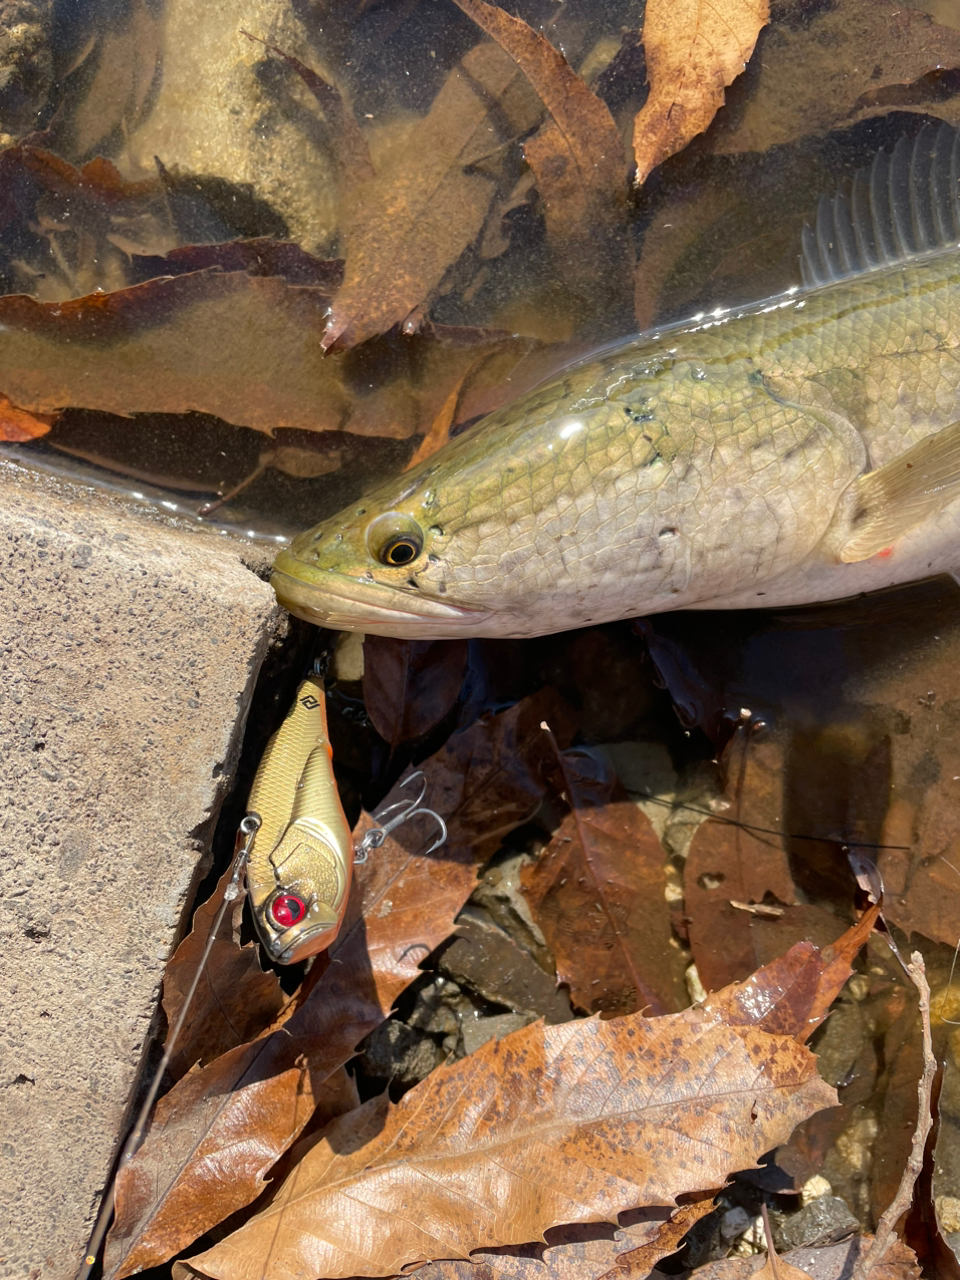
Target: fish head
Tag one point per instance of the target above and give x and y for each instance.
(381, 566)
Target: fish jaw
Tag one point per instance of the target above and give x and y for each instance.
(328, 598)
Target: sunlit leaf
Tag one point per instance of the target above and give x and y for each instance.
(624, 1112)
(217, 1134)
(694, 49)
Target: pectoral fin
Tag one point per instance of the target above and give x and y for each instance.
(895, 498)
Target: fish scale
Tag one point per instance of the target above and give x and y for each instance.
(766, 456)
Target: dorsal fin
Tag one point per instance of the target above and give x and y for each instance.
(906, 203)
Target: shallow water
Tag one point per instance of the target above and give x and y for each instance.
(216, 139)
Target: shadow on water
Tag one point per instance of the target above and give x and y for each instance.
(843, 689)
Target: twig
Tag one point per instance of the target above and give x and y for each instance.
(901, 1201)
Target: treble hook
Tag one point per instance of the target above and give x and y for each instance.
(375, 837)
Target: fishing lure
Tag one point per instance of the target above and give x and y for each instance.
(300, 850)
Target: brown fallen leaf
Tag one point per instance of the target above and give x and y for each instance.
(730, 863)
(623, 1112)
(584, 1252)
(578, 161)
(260, 257)
(69, 230)
(862, 45)
(598, 893)
(19, 425)
(793, 994)
(429, 202)
(245, 348)
(235, 998)
(439, 431)
(694, 49)
(218, 1132)
(410, 685)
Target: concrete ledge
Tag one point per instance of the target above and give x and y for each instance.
(128, 652)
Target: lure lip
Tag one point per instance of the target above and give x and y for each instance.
(332, 599)
(306, 942)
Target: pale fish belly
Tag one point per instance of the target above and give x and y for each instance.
(930, 549)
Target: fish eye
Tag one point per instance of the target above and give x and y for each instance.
(395, 539)
(286, 910)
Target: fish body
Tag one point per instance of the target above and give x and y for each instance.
(300, 863)
(803, 449)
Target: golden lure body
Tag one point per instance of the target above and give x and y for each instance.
(804, 449)
(300, 863)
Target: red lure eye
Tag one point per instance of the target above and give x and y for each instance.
(287, 909)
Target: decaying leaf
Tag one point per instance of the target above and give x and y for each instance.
(68, 230)
(577, 158)
(234, 1000)
(583, 1252)
(410, 223)
(861, 47)
(694, 49)
(624, 1112)
(729, 863)
(457, 1143)
(18, 425)
(216, 1135)
(598, 893)
(245, 348)
(410, 685)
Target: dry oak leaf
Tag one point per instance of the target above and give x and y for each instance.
(694, 49)
(551, 1125)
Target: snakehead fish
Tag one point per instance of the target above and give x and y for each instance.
(803, 449)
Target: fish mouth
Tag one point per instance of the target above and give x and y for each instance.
(331, 599)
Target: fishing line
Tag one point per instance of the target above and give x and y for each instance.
(767, 831)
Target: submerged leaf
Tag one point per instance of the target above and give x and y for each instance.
(17, 424)
(243, 347)
(577, 157)
(694, 49)
(410, 685)
(411, 222)
(861, 47)
(598, 893)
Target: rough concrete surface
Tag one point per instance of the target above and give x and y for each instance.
(128, 651)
